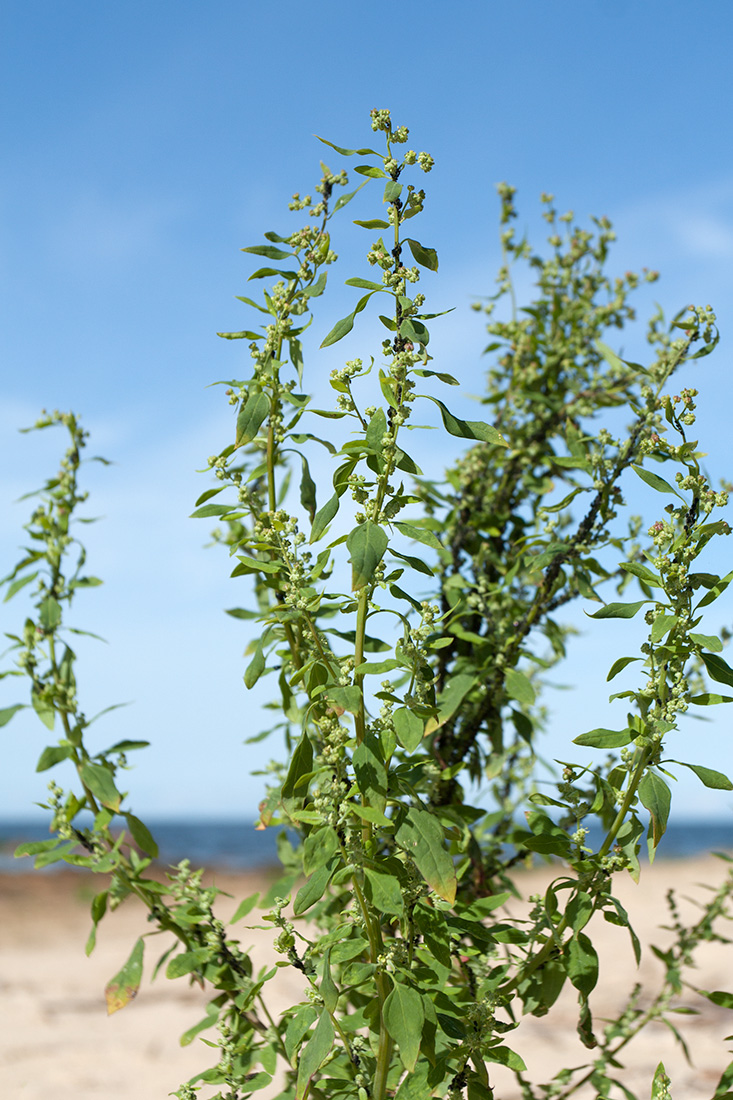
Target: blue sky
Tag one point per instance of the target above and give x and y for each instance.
(144, 144)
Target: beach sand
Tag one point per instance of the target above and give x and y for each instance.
(57, 1042)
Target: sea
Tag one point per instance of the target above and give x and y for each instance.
(228, 845)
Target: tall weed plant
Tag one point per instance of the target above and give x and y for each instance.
(402, 689)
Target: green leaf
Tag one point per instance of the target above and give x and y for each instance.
(50, 613)
(102, 785)
(345, 325)
(711, 778)
(185, 963)
(451, 698)
(582, 962)
(251, 417)
(124, 986)
(717, 668)
(392, 191)
(655, 481)
(408, 728)
(245, 906)
(655, 795)
(209, 511)
(301, 764)
(467, 429)
(661, 1084)
(426, 257)
(662, 626)
(17, 585)
(717, 588)
(51, 755)
(44, 710)
(245, 334)
(314, 888)
(256, 666)
(307, 489)
(142, 836)
(366, 544)
(350, 152)
(419, 534)
(605, 739)
(364, 284)
(383, 891)
(617, 610)
(610, 356)
(708, 641)
(519, 687)
(373, 223)
(269, 252)
(324, 517)
(404, 1016)
(314, 1053)
(8, 712)
(644, 574)
(371, 171)
(347, 698)
(420, 834)
(708, 699)
(327, 988)
(618, 665)
(320, 846)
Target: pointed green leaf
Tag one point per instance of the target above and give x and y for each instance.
(101, 784)
(655, 795)
(716, 589)
(519, 687)
(251, 416)
(617, 610)
(644, 574)
(314, 888)
(661, 1084)
(307, 489)
(605, 739)
(426, 257)
(467, 429)
(662, 626)
(50, 613)
(655, 481)
(419, 534)
(52, 755)
(582, 963)
(350, 152)
(124, 986)
(345, 325)
(408, 728)
(717, 668)
(7, 713)
(268, 251)
(711, 778)
(404, 1016)
(142, 836)
(373, 223)
(709, 699)
(371, 171)
(366, 544)
(383, 891)
(708, 641)
(324, 516)
(421, 835)
(314, 1053)
(246, 906)
(256, 666)
(618, 665)
(301, 764)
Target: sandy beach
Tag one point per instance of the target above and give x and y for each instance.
(58, 1042)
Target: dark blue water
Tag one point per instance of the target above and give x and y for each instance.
(237, 846)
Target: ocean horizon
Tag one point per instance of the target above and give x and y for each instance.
(236, 845)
